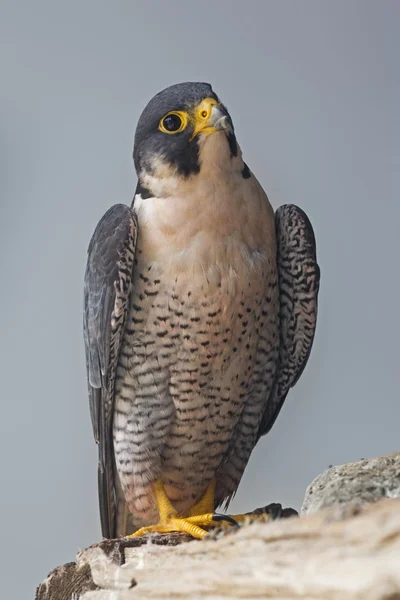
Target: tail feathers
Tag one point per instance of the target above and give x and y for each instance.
(126, 522)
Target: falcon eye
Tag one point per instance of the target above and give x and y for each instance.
(204, 114)
(173, 122)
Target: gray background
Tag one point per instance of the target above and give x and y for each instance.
(313, 88)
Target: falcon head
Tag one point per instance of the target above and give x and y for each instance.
(182, 128)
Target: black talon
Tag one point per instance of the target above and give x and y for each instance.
(289, 512)
(275, 511)
(227, 518)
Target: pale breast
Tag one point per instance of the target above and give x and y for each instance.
(203, 300)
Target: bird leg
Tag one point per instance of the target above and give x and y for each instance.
(206, 503)
(170, 520)
(201, 514)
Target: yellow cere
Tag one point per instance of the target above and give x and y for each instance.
(203, 110)
(202, 116)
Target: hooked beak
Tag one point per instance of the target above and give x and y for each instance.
(222, 120)
(210, 117)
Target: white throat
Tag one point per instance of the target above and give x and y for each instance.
(214, 158)
(212, 220)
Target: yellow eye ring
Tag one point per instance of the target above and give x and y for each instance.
(173, 122)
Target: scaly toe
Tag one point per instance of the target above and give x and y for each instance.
(249, 518)
(187, 526)
(173, 524)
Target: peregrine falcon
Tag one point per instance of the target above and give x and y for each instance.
(200, 307)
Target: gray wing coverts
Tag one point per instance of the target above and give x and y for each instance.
(298, 276)
(107, 288)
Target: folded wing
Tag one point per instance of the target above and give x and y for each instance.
(107, 288)
(298, 276)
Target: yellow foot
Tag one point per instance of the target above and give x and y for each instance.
(191, 525)
(252, 518)
(206, 503)
(201, 515)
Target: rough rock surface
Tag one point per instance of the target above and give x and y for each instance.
(337, 554)
(364, 481)
(349, 550)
